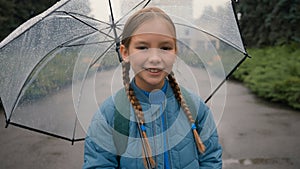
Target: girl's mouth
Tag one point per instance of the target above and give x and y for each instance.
(153, 70)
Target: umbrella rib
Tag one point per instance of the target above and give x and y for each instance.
(82, 84)
(84, 16)
(36, 68)
(92, 43)
(224, 40)
(227, 77)
(134, 9)
(7, 122)
(238, 26)
(97, 59)
(147, 3)
(54, 11)
(46, 133)
(74, 130)
(114, 25)
(85, 75)
(40, 20)
(88, 17)
(117, 39)
(89, 25)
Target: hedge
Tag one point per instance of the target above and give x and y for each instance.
(273, 73)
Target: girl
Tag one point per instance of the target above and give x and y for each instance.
(163, 131)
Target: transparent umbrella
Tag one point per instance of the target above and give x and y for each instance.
(58, 67)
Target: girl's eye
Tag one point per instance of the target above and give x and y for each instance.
(166, 48)
(141, 48)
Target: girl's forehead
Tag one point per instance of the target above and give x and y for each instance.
(154, 39)
(155, 26)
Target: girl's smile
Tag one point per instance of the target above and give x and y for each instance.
(151, 53)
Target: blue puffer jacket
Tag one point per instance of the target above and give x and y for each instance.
(169, 134)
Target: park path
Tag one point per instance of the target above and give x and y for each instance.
(254, 135)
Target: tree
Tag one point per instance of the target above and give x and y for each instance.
(7, 10)
(15, 12)
(268, 23)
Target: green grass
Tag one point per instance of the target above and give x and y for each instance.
(273, 73)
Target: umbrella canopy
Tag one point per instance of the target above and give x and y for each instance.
(57, 68)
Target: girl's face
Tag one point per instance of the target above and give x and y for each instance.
(151, 53)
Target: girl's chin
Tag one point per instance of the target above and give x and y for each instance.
(150, 84)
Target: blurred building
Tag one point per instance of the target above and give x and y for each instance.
(181, 11)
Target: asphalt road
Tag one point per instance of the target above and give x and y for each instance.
(258, 135)
(254, 135)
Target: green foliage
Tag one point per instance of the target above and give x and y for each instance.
(15, 12)
(7, 11)
(110, 60)
(56, 73)
(52, 76)
(268, 23)
(190, 58)
(273, 73)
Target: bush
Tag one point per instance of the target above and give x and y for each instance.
(273, 73)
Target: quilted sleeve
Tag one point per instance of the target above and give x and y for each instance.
(99, 149)
(212, 157)
(96, 157)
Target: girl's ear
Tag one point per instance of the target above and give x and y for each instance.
(124, 52)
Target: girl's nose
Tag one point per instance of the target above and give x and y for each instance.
(154, 56)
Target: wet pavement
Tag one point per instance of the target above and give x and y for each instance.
(258, 135)
(254, 134)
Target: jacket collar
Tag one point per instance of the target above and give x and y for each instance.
(143, 96)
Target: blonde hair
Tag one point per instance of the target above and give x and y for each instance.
(140, 17)
(131, 25)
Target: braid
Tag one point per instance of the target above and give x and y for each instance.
(186, 110)
(138, 112)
